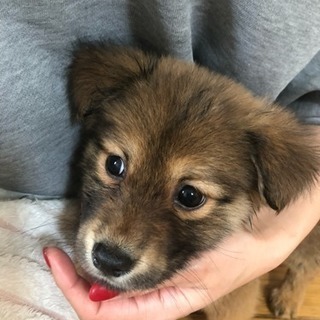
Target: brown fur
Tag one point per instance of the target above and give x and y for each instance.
(175, 124)
(239, 304)
(303, 265)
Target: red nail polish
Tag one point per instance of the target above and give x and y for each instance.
(45, 256)
(99, 293)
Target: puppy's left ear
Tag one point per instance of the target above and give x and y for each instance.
(284, 155)
(99, 73)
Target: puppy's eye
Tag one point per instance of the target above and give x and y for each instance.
(115, 166)
(190, 198)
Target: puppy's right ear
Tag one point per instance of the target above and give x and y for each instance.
(284, 153)
(98, 74)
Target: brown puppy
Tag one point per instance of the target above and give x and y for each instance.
(175, 159)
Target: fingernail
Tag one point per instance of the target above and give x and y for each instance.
(100, 293)
(45, 256)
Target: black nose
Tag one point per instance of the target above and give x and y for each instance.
(111, 259)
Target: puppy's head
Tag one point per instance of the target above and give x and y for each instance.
(175, 159)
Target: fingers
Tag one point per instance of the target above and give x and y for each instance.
(166, 303)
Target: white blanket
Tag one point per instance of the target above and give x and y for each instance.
(27, 289)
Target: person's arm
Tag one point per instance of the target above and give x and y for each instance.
(241, 258)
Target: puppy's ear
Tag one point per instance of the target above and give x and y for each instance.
(99, 73)
(284, 155)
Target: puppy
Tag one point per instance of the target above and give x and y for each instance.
(175, 159)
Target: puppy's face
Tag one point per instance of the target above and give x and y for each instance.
(175, 159)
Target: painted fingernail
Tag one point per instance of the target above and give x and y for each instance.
(100, 293)
(45, 256)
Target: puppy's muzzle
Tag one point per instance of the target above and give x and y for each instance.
(111, 260)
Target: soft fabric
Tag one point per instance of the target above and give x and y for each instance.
(27, 289)
(269, 46)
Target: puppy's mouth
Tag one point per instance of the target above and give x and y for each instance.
(123, 275)
(119, 269)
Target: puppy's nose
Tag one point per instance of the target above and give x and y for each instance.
(111, 259)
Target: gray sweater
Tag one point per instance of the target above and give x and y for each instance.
(272, 47)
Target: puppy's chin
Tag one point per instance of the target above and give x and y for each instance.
(130, 282)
